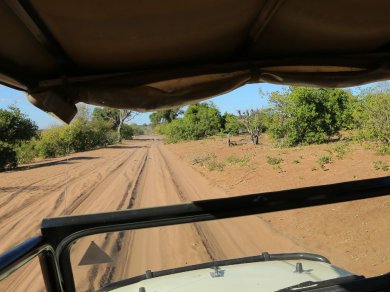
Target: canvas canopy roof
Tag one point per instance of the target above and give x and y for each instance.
(151, 54)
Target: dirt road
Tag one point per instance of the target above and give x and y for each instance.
(136, 174)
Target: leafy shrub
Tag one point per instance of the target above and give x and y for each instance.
(274, 160)
(138, 130)
(127, 132)
(375, 120)
(231, 124)
(8, 158)
(381, 165)
(215, 165)
(340, 150)
(382, 150)
(53, 142)
(323, 160)
(199, 121)
(15, 127)
(306, 115)
(27, 151)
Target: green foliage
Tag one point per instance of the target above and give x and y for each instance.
(231, 124)
(296, 161)
(208, 160)
(306, 115)
(215, 165)
(27, 151)
(324, 160)
(127, 132)
(382, 150)
(381, 165)
(15, 127)
(116, 117)
(340, 150)
(106, 114)
(274, 160)
(199, 121)
(53, 142)
(80, 135)
(139, 130)
(165, 116)
(375, 116)
(8, 158)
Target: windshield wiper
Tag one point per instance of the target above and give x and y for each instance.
(309, 285)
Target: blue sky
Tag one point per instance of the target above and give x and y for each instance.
(246, 97)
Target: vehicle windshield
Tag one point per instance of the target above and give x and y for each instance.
(258, 138)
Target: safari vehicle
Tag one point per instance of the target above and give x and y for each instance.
(146, 55)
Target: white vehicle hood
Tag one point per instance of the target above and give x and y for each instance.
(259, 276)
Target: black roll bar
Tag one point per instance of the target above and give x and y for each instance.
(23, 253)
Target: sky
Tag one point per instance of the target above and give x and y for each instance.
(243, 98)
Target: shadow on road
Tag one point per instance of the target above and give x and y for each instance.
(125, 147)
(52, 163)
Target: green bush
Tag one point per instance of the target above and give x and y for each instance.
(27, 151)
(274, 160)
(306, 115)
(199, 121)
(138, 130)
(215, 165)
(375, 118)
(324, 160)
(127, 132)
(15, 128)
(80, 135)
(53, 143)
(381, 165)
(8, 158)
(231, 124)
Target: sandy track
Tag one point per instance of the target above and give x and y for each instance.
(135, 175)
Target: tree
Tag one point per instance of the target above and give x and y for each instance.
(375, 114)
(116, 116)
(231, 124)
(15, 127)
(127, 132)
(199, 121)
(165, 116)
(253, 122)
(306, 115)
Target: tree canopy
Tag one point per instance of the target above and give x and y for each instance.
(117, 117)
(165, 116)
(15, 127)
(306, 115)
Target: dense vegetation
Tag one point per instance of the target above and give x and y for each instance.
(20, 141)
(296, 116)
(15, 127)
(307, 115)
